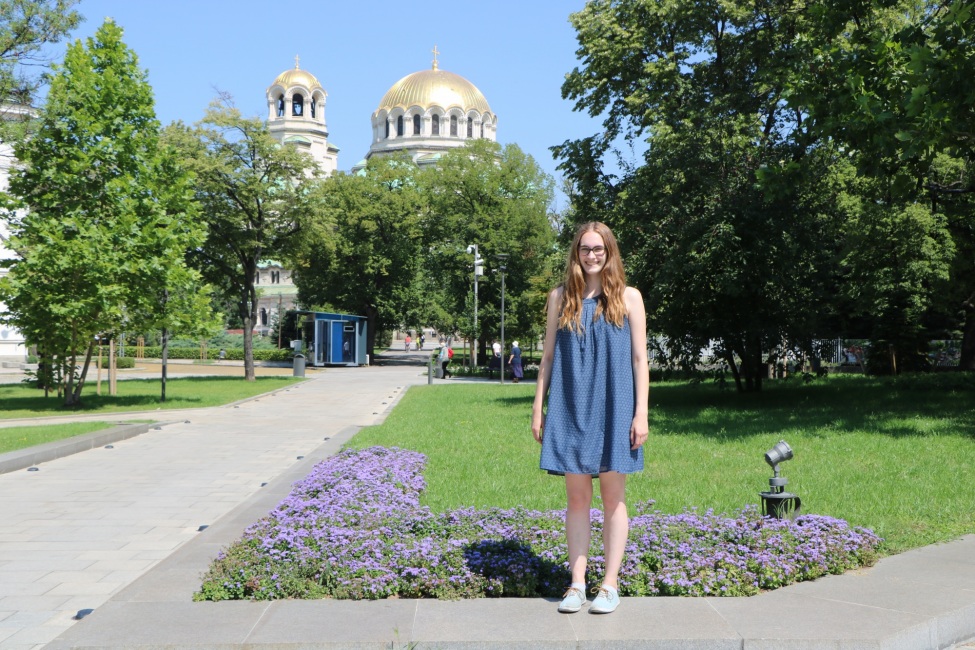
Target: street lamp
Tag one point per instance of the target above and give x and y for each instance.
(503, 259)
(478, 271)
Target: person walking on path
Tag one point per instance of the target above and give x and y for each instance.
(514, 361)
(408, 341)
(594, 372)
(445, 354)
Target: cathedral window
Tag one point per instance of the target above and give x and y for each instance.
(482, 129)
(312, 108)
(453, 125)
(280, 105)
(297, 105)
(399, 126)
(470, 128)
(435, 125)
(416, 125)
(263, 316)
(387, 129)
(275, 277)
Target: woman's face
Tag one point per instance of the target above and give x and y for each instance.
(592, 253)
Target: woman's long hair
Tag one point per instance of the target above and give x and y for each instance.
(611, 302)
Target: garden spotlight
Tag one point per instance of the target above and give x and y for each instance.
(780, 453)
(777, 502)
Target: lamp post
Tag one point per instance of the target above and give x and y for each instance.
(503, 259)
(478, 271)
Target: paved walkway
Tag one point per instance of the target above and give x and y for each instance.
(119, 537)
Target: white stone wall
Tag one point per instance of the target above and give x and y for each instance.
(12, 346)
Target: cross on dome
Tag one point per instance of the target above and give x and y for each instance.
(436, 53)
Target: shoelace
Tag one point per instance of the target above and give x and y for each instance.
(602, 591)
(571, 589)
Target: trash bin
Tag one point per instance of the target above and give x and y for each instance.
(299, 365)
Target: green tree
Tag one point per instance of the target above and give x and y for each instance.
(715, 224)
(498, 198)
(104, 230)
(26, 26)
(254, 197)
(891, 81)
(364, 255)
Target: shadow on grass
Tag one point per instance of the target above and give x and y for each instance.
(828, 406)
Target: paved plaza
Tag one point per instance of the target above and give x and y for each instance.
(119, 535)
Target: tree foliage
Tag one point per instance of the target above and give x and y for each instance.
(26, 26)
(106, 218)
(254, 197)
(364, 254)
(788, 148)
(496, 197)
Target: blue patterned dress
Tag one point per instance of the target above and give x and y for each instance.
(591, 400)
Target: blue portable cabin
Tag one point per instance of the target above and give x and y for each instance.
(333, 339)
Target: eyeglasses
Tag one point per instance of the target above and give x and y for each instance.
(598, 251)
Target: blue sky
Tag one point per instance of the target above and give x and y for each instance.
(516, 52)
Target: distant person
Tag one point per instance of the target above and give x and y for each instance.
(445, 354)
(514, 361)
(223, 354)
(497, 349)
(408, 341)
(594, 373)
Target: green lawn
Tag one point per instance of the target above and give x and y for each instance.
(14, 438)
(893, 459)
(20, 401)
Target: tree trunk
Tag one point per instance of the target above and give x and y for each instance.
(164, 340)
(72, 396)
(967, 359)
(371, 315)
(729, 357)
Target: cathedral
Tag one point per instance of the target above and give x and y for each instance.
(423, 114)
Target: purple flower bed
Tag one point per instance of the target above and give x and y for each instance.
(354, 528)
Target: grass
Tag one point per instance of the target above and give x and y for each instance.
(14, 438)
(21, 401)
(870, 451)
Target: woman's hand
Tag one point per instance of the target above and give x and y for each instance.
(639, 431)
(538, 424)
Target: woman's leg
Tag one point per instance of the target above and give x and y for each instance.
(616, 524)
(578, 492)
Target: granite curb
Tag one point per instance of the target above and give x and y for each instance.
(19, 459)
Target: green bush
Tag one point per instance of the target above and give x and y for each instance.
(123, 363)
(232, 354)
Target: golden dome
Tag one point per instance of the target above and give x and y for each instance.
(297, 77)
(434, 88)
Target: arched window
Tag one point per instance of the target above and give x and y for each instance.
(435, 125)
(313, 108)
(482, 129)
(263, 316)
(470, 127)
(297, 105)
(453, 125)
(399, 126)
(416, 125)
(280, 105)
(387, 129)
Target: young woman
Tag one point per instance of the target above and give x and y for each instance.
(595, 374)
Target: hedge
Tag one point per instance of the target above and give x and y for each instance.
(233, 354)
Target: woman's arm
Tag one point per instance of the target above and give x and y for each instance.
(637, 315)
(545, 366)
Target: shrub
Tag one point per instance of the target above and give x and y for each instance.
(233, 354)
(354, 528)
